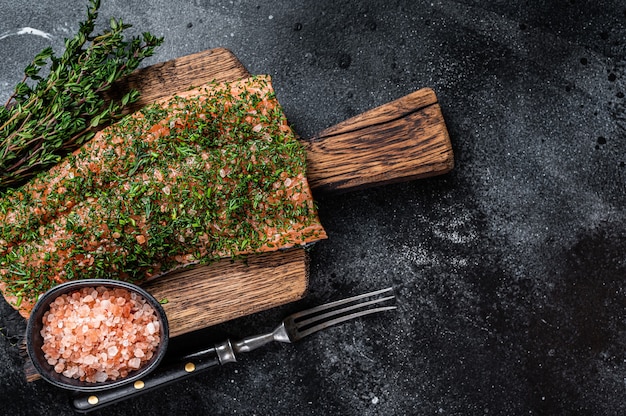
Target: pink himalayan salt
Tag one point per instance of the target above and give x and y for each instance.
(99, 334)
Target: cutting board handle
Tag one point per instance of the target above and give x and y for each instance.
(403, 140)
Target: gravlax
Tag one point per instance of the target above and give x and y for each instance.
(213, 172)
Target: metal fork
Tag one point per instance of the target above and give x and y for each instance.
(292, 329)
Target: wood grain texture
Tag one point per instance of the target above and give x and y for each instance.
(207, 295)
(403, 140)
(168, 78)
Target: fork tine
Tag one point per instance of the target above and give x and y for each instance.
(341, 319)
(339, 302)
(315, 318)
(311, 320)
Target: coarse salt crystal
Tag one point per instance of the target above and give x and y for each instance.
(75, 341)
(101, 376)
(134, 362)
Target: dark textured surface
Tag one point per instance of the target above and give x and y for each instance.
(509, 271)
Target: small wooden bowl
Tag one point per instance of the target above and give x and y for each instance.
(34, 340)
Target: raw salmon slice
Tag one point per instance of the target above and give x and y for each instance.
(210, 173)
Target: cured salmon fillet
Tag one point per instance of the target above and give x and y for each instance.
(210, 173)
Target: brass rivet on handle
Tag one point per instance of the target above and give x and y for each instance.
(92, 400)
(139, 384)
(189, 367)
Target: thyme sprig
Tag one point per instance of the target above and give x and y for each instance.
(48, 117)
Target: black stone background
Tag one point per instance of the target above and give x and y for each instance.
(509, 271)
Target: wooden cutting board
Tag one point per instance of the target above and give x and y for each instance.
(403, 140)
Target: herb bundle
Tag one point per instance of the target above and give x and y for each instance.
(48, 117)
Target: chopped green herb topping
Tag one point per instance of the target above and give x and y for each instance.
(215, 172)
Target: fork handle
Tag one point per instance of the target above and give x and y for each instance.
(162, 376)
